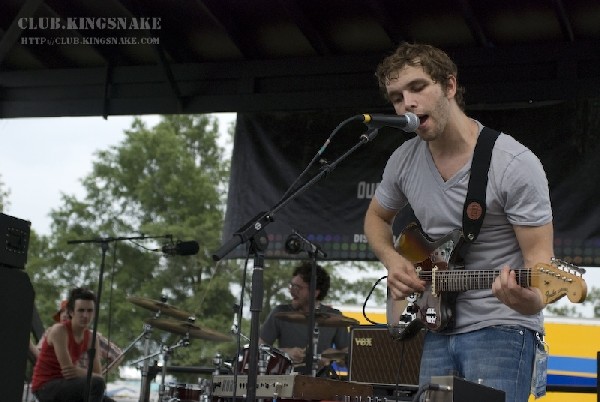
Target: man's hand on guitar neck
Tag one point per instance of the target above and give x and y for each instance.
(527, 301)
(402, 277)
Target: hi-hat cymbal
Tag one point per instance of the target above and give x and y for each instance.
(155, 305)
(186, 328)
(335, 355)
(321, 318)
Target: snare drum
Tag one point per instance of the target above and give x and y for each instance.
(278, 362)
(185, 392)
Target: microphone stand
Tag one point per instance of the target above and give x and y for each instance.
(249, 232)
(104, 247)
(313, 331)
(258, 244)
(312, 356)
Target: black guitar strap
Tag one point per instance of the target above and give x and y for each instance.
(474, 208)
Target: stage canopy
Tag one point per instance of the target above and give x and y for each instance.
(124, 57)
(294, 69)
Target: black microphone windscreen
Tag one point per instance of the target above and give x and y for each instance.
(293, 244)
(187, 247)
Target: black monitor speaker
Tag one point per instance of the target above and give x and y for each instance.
(14, 241)
(16, 299)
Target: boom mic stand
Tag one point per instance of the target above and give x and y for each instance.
(104, 247)
(294, 244)
(250, 232)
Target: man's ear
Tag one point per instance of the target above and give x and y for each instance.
(451, 86)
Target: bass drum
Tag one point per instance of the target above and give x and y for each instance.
(185, 392)
(277, 362)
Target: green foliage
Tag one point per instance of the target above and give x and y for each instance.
(355, 291)
(574, 310)
(168, 179)
(171, 178)
(4, 193)
(593, 300)
(562, 311)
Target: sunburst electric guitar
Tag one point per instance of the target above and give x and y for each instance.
(435, 262)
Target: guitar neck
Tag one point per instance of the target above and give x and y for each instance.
(460, 280)
(554, 279)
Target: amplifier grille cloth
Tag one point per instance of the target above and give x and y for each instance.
(377, 358)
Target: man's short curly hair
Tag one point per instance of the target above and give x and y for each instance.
(434, 62)
(323, 279)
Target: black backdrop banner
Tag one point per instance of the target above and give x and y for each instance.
(272, 149)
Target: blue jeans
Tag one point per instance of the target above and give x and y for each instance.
(500, 357)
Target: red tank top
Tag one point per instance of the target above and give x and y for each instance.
(47, 366)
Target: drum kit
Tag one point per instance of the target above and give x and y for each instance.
(271, 361)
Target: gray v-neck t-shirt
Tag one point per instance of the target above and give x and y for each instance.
(517, 194)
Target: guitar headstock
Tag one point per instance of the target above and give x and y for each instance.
(559, 279)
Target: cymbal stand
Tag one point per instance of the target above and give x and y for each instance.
(144, 383)
(166, 352)
(244, 336)
(185, 341)
(238, 335)
(146, 330)
(217, 362)
(316, 355)
(263, 360)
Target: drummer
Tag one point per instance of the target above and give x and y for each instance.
(292, 337)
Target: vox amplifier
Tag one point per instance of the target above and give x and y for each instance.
(377, 358)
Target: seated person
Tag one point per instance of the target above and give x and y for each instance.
(292, 337)
(108, 351)
(57, 375)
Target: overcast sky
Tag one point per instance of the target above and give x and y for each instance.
(42, 158)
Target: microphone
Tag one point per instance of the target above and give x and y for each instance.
(293, 244)
(408, 122)
(296, 243)
(181, 248)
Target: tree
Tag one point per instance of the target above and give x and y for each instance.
(593, 300)
(575, 310)
(168, 179)
(4, 193)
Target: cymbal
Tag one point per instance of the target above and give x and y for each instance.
(186, 328)
(155, 305)
(321, 318)
(336, 355)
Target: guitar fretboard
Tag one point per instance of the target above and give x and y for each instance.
(461, 280)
